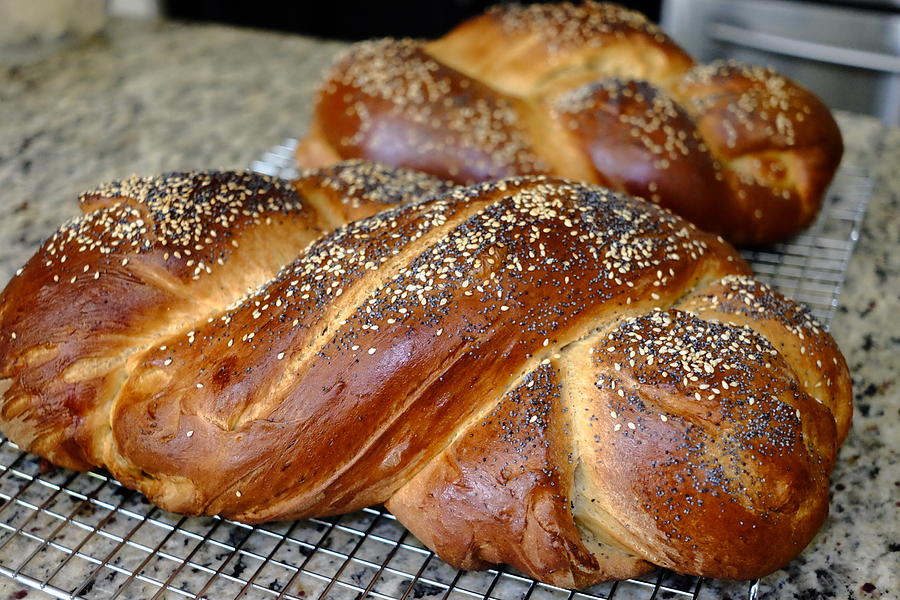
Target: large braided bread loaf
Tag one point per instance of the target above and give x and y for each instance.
(593, 93)
(529, 371)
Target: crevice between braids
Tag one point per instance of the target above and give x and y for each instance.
(351, 299)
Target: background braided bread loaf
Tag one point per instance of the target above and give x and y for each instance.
(590, 92)
(529, 371)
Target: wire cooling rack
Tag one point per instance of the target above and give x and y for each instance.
(83, 535)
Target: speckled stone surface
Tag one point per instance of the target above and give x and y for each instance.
(151, 97)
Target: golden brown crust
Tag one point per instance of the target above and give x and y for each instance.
(778, 142)
(657, 154)
(591, 92)
(535, 49)
(499, 494)
(698, 432)
(511, 367)
(817, 362)
(356, 189)
(142, 263)
(150, 257)
(390, 102)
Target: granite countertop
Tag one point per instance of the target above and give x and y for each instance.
(151, 97)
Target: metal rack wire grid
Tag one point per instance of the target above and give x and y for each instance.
(83, 535)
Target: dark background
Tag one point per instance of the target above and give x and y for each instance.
(350, 20)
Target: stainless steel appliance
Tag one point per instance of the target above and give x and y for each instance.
(846, 52)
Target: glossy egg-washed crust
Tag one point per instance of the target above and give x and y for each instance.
(591, 92)
(530, 371)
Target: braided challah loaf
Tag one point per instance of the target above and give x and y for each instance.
(593, 93)
(529, 371)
